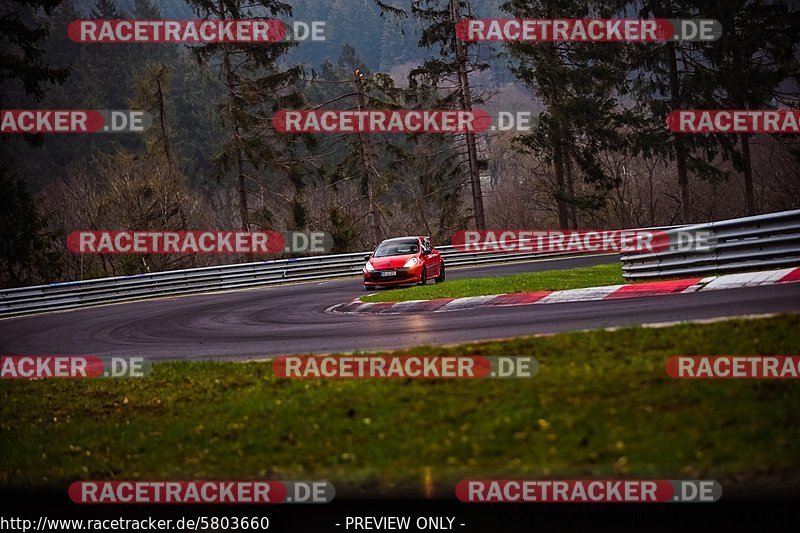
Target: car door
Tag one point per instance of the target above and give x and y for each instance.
(432, 259)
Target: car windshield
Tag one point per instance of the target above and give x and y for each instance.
(397, 248)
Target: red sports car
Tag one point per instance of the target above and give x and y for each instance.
(401, 261)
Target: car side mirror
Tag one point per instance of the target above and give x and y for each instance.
(367, 257)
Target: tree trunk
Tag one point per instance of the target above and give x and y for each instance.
(558, 169)
(466, 105)
(570, 184)
(368, 161)
(559, 151)
(651, 204)
(678, 140)
(749, 192)
(162, 118)
(244, 213)
(738, 93)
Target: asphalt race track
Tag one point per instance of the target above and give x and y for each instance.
(291, 319)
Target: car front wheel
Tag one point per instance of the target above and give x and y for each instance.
(440, 277)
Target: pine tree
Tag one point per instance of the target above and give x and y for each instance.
(755, 65)
(22, 35)
(348, 84)
(452, 67)
(26, 247)
(671, 76)
(151, 89)
(255, 84)
(579, 85)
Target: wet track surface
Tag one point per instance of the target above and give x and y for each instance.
(291, 319)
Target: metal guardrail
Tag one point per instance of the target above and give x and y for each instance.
(757, 242)
(70, 295)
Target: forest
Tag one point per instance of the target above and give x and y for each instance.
(599, 157)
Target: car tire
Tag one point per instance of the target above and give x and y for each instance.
(366, 288)
(423, 280)
(440, 277)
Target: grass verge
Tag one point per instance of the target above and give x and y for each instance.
(553, 280)
(601, 405)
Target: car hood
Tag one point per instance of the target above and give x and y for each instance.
(392, 261)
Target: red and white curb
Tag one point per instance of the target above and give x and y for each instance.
(611, 292)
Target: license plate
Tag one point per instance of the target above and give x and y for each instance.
(388, 273)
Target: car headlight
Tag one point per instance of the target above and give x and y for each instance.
(411, 262)
(368, 267)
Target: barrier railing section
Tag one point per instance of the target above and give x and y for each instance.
(762, 241)
(26, 300)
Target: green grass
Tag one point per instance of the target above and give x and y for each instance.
(601, 405)
(552, 280)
